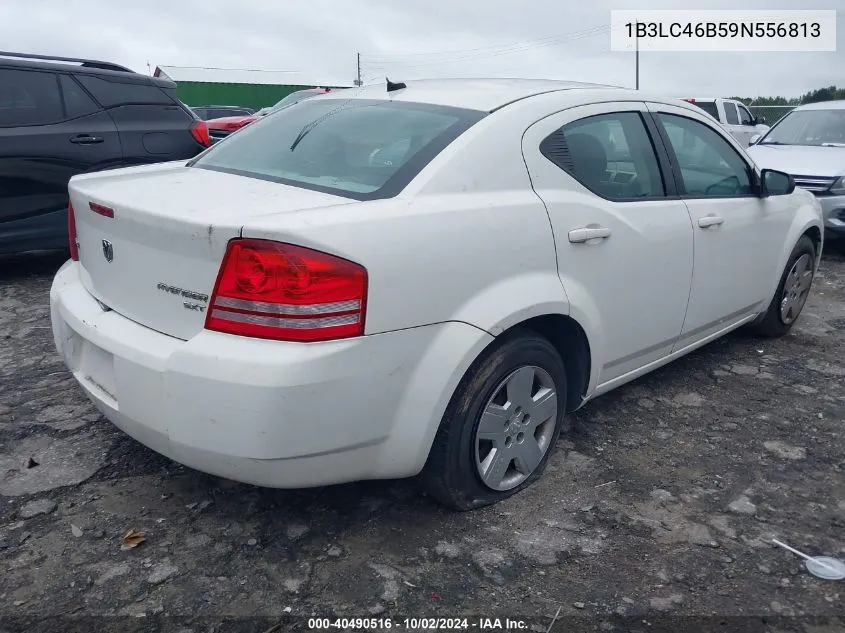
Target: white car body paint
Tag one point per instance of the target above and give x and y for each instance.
(474, 245)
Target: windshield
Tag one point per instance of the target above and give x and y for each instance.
(808, 127)
(357, 148)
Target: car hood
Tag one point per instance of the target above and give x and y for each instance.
(805, 160)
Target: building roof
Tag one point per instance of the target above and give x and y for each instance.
(237, 76)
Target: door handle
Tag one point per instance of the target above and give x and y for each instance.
(710, 220)
(86, 139)
(585, 234)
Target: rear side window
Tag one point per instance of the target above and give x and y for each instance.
(29, 98)
(357, 148)
(709, 107)
(77, 101)
(610, 154)
(731, 115)
(113, 93)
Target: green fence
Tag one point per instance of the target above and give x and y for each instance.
(248, 95)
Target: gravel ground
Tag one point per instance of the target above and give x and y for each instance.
(660, 505)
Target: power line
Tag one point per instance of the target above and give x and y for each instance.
(465, 58)
(483, 50)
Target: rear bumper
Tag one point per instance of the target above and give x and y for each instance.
(274, 414)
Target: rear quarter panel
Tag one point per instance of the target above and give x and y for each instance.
(155, 133)
(468, 240)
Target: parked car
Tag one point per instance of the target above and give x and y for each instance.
(734, 116)
(63, 116)
(215, 112)
(809, 144)
(222, 127)
(427, 287)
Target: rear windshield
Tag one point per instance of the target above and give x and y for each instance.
(709, 107)
(356, 148)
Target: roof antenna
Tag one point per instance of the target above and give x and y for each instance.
(391, 87)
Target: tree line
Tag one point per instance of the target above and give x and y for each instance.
(830, 93)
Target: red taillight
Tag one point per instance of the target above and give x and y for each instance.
(106, 212)
(199, 130)
(690, 100)
(71, 233)
(284, 292)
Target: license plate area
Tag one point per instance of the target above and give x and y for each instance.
(96, 371)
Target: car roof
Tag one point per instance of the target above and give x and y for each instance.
(473, 94)
(72, 66)
(824, 105)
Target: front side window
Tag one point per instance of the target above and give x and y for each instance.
(808, 127)
(745, 117)
(709, 164)
(357, 148)
(610, 154)
(731, 116)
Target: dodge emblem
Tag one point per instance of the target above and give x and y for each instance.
(108, 250)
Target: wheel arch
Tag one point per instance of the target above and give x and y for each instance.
(571, 342)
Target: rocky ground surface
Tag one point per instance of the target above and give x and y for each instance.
(661, 503)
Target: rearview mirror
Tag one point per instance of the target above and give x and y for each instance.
(754, 139)
(776, 183)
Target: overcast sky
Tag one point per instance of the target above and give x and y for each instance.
(410, 39)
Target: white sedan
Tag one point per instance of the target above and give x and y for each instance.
(419, 280)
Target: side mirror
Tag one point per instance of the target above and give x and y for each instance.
(754, 139)
(776, 183)
(762, 119)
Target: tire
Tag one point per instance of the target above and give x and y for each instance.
(774, 323)
(452, 474)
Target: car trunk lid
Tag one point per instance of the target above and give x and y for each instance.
(156, 260)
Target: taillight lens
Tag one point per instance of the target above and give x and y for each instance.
(279, 291)
(71, 233)
(199, 130)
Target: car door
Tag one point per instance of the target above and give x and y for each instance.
(50, 130)
(732, 123)
(624, 242)
(153, 127)
(749, 122)
(738, 234)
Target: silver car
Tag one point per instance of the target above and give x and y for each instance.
(809, 144)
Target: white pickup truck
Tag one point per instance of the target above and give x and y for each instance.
(734, 116)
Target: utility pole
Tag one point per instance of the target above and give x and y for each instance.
(358, 81)
(637, 56)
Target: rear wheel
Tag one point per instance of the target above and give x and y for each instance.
(792, 292)
(501, 426)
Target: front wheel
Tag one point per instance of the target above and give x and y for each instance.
(792, 292)
(501, 425)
